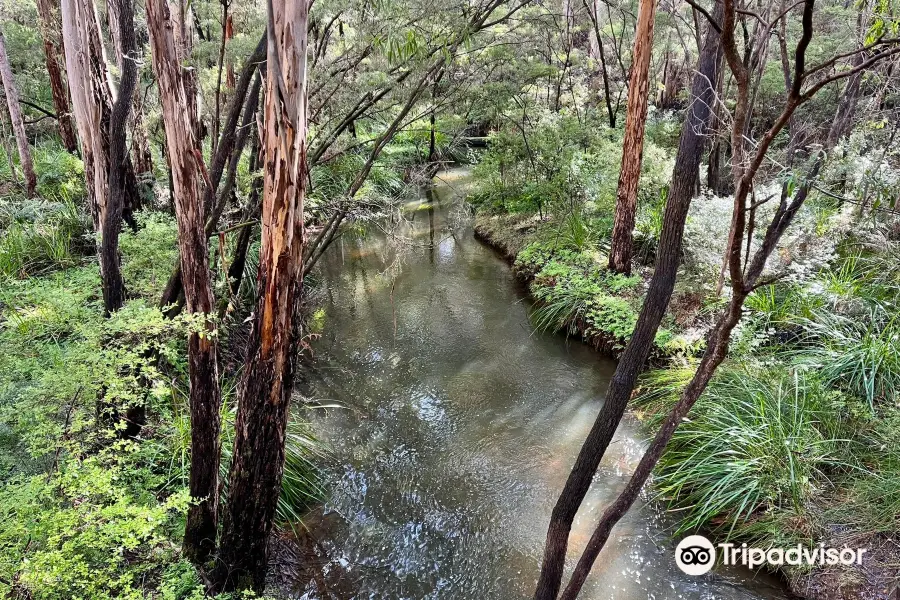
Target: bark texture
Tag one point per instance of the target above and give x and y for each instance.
(687, 163)
(744, 273)
(205, 396)
(91, 91)
(258, 458)
(50, 35)
(91, 99)
(622, 244)
(15, 116)
(225, 151)
(113, 283)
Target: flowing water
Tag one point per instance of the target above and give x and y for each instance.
(458, 428)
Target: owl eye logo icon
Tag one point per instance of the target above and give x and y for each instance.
(695, 555)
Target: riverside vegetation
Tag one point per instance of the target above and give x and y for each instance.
(705, 190)
(792, 441)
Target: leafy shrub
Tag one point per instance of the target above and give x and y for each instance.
(149, 255)
(88, 534)
(84, 514)
(576, 294)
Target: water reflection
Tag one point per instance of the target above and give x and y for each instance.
(461, 425)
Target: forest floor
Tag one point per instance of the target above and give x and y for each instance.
(840, 486)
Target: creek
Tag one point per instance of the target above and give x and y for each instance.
(457, 428)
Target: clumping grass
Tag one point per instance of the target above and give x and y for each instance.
(756, 441)
(859, 353)
(51, 231)
(40, 236)
(795, 437)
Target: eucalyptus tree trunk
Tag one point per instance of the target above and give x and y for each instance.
(185, 161)
(141, 156)
(745, 271)
(265, 392)
(50, 34)
(622, 244)
(687, 163)
(228, 146)
(113, 283)
(91, 90)
(15, 116)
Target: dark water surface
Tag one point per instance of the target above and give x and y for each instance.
(459, 430)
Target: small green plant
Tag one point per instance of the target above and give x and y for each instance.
(41, 236)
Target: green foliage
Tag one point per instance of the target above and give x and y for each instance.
(859, 354)
(93, 531)
(52, 232)
(756, 441)
(84, 514)
(40, 236)
(150, 254)
(875, 493)
(576, 294)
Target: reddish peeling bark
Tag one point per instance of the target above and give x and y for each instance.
(205, 396)
(258, 459)
(622, 244)
(52, 52)
(745, 273)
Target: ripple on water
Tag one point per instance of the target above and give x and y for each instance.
(459, 430)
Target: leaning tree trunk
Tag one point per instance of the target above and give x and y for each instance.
(205, 396)
(258, 458)
(18, 125)
(687, 163)
(113, 283)
(622, 245)
(744, 272)
(52, 52)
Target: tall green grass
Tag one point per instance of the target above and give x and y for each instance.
(52, 231)
(41, 236)
(859, 353)
(755, 441)
(301, 485)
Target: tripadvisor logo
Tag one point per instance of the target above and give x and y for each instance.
(696, 555)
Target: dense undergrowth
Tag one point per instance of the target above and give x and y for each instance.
(793, 442)
(795, 435)
(87, 510)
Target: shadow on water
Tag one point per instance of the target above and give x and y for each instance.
(459, 429)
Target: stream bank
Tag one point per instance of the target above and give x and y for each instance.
(523, 242)
(458, 425)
